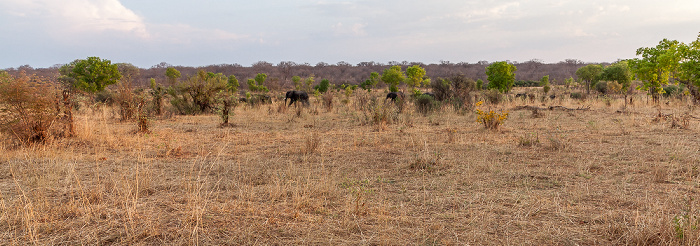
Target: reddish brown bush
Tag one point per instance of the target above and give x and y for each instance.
(29, 108)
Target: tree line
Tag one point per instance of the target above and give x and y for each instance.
(280, 75)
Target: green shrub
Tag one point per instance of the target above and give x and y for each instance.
(578, 95)
(526, 83)
(426, 104)
(323, 86)
(671, 90)
(602, 87)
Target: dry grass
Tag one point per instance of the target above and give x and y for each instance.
(316, 177)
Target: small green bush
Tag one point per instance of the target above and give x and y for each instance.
(602, 87)
(578, 95)
(426, 104)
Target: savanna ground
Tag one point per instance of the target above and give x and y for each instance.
(340, 177)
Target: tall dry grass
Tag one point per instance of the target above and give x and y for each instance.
(597, 176)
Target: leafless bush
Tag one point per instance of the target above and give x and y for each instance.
(328, 101)
(29, 108)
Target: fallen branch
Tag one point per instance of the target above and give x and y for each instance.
(527, 107)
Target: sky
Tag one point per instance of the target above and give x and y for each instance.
(44, 33)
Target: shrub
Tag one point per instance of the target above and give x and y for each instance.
(461, 91)
(196, 94)
(426, 104)
(578, 95)
(602, 87)
(493, 96)
(491, 119)
(323, 86)
(328, 101)
(442, 88)
(671, 90)
(526, 83)
(29, 108)
(614, 87)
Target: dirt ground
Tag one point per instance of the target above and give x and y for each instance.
(362, 173)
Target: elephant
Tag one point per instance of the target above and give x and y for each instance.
(295, 96)
(394, 95)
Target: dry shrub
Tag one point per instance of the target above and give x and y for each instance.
(311, 144)
(29, 108)
(362, 100)
(529, 140)
(127, 101)
(682, 122)
(425, 161)
(556, 142)
(282, 108)
(142, 120)
(495, 97)
(328, 101)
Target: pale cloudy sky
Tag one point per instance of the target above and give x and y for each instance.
(42, 33)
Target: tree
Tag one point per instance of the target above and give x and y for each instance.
(589, 74)
(544, 82)
(689, 71)
(157, 93)
(297, 82)
(416, 76)
(257, 84)
(657, 65)
(323, 86)
(226, 99)
(232, 84)
(393, 77)
(370, 83)
(90, 75)
(308, 84)
(172, 75)
(620, 73)
(196, 94)
(501, 75)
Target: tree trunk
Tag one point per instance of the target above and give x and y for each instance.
(68, 108)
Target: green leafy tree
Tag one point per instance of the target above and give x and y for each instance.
(479, 84)
(197, 93)
(656, 66)
(90, 75)
(308, 84)
(323, 86)
(232, 84)
(544, 82)
(568, 82)
(226, 99)
(393, 77)
(620, 73)
(501, 76)
(297, 82)
(172, 75)
(415, 76)
(257, 84)
(689, 71)
(370, 83)
(590, 74)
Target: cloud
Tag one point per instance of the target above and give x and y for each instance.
(66, 18)
(357, 29)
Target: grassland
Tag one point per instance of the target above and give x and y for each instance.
(281, 176)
